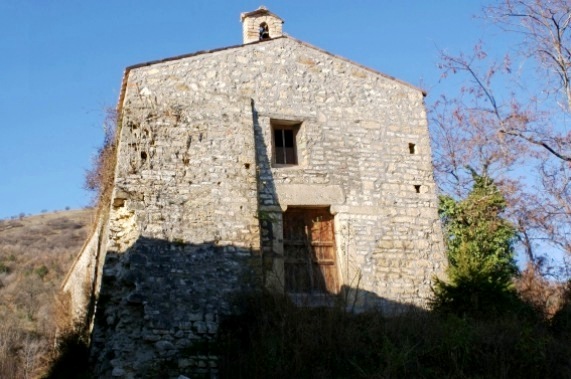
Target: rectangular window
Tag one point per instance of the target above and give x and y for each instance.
(284, 142)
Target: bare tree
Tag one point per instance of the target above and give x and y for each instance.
(521, 140)
(545, 26)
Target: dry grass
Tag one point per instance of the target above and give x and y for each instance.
(35, 254)
(274, 339)
(100, 177)
(545, 296)
(69, 356)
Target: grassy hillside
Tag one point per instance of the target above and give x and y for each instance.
(35, 254)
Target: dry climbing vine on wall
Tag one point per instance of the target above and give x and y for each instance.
(101, 175)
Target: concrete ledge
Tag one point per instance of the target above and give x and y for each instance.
(309, 194)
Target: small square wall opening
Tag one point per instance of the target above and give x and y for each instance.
(411, 148)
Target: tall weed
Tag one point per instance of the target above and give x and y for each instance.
(273, 338)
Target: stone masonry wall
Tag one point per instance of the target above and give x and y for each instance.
(183, 231)
(186, 169)
(194, 182)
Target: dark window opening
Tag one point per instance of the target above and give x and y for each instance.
(417, 188)
(264, 31)
(412, 148)
(284, 144)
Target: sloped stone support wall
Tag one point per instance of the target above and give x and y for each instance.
(83, 280)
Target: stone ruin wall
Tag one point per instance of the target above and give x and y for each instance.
(183, 231)
(193, 178)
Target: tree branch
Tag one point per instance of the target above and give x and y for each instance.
(563, 157)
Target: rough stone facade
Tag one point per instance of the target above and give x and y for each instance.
(199, 198)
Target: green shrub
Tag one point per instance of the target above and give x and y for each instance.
(41, 271)
(4, 269)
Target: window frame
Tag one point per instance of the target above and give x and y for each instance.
(283, 125)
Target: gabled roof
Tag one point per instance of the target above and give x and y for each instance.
(203, 52)
(260, 11)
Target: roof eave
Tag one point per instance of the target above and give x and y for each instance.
(261, 12)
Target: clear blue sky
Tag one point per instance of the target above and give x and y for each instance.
(61, 64)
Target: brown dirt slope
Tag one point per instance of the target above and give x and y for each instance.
(35, 254)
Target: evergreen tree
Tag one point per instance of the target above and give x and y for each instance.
(480, 252)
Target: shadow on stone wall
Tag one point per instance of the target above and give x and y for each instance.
(161, 304)
(160, 301)
(268, 204)
(274, 338)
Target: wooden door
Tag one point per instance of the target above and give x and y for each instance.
(309, 251)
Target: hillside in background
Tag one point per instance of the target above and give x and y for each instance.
(35, 254)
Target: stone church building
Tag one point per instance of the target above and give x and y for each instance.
(271, 163)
